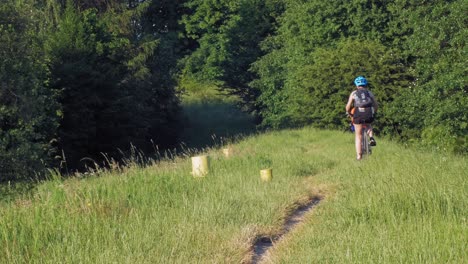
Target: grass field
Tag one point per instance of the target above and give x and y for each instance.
(398, 206)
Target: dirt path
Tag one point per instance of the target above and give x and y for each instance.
(263, 245)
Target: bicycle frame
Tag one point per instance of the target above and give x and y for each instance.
(365, 142)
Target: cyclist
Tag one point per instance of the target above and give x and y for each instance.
(365, 107)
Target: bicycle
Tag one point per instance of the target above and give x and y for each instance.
(366, 147)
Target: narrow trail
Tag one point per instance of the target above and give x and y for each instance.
(263, 245)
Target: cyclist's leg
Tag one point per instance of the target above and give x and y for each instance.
(370, 132)
(358, 139)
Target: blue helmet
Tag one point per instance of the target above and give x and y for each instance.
(360, 81)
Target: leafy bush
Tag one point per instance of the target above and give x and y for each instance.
(28, 110)
(112, 92)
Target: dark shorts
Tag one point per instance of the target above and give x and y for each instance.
(363, 115)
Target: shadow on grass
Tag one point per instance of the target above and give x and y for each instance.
(213, 122)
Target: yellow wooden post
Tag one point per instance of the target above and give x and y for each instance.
(266, 175)
(200, 166)
(227, 152)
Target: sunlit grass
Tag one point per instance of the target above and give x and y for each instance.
(398, 206)
(161, 214)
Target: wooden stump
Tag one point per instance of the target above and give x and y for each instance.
(200, 166)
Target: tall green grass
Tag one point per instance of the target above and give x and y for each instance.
(161, 214)
(9, 191)
(398, 206)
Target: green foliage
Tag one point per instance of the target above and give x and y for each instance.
(315, 92)
(112, 91)
(414, 59)
(437, 101)
(319, 49)
(228, 34)
(28, 110)
(98, 75)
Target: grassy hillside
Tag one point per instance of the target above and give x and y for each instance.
(398, 206)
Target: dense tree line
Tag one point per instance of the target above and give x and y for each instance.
(83, 79)
(28, 108)
(305, 59)
(79, 78)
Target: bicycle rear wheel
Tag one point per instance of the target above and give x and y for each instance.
(365, 143)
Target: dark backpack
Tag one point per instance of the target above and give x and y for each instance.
(362, 98)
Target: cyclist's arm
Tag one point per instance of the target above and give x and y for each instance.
(350, 103)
